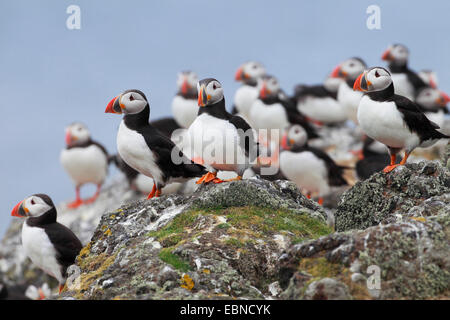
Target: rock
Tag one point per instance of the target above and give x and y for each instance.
(222, 242)
(385, 198)
(407, 259)
(327, 289)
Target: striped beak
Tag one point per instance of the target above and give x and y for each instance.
(338, 73)
(202, 97)
(240, 75)
(361, 83)
(19, 210)
(387, 55)
(114, 106)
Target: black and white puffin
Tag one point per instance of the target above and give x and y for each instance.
(311, 169)
(248, 73)
(319, 102)
(184, 104)
(406, 82)
(274, 111)
(144, 148)
(224, 141)
(349, 99)
(374, 158)
(85, 160)
(392, 119)
(50, 245)
(433, 103)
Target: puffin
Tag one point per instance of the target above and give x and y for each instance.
(311, 169)
(319, 102)
(50, 245)
(224, 141)
(374, 158)
(12, 293)
(433, 103)
(406, 81)
(184, 104)
(349, 70)
(85, 160)
(144, 148)
(391, 119)
(248, 74)
(273, 110)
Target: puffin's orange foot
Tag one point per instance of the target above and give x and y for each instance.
(152, 194)
(233, 179)
(92, 199)
(75, 204)
(61, 287)
(358, 153)
(208, 178)
(320, 201)
(390, 168)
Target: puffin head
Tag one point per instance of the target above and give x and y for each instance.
(186, 81)
(77, 134)
(268, 86)
(209, 91)
(295, 135)
(33, 206)
(397, 54)
(374, 79)
(250, 70)
(129, 102)
(349, 69)
(430, 98)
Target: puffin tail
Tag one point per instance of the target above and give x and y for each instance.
(194, 170)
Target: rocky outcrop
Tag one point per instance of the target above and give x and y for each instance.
(386, 198)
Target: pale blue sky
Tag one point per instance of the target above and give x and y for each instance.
(52, 76)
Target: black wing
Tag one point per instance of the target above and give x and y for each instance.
(166, 126)
(416, 120)
(415, 80)
(66, 244)
(302, 91)
(246, 137)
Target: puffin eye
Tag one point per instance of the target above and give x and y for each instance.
(131, 97)
(377, 74)
(352, 64)
(214, 86)
(32, 202)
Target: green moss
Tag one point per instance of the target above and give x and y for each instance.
(167, 256)
(234, 242)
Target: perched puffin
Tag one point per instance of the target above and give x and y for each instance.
(392, 119)
(319, 102)
(224, 141)
(374, 158)
(248, 73)
(50, 245)
(85, 160)
(144, 148)
(309, 168)
(184, 104)
(406, 81)
(349, 70)
(273, 110)
(433, 103)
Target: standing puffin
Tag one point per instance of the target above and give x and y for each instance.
(144, 148)
(224, 141)
(392, 119)
(319, 102)
(248, 73)
(349, 70)
(184, 104)
(50, 245)
(85, 160)
(433, 103)
(406, 81)
(272, 110)
(309, 168)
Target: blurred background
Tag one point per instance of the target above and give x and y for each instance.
(52, 76)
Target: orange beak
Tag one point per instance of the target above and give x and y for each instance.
(264, 92)
(360, 83)
(387, 55)
(68, 138)
(185, 87)
(202, 97)
(337, 73)
(284, 142)
(19, 210)
(443, 99)
(240, 75)
(114, 106)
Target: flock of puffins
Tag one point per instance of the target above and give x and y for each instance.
(394, 107)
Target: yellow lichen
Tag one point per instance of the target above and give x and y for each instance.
(420, 219)
(206, 271)
(107, 232)
(187, 282)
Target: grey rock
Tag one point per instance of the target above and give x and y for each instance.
(327, 289)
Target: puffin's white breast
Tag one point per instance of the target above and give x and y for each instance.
(349, 100)
(184, 110)
(268, 116)
(402, 86)
(383, 122)
(136, 153)
(305, 170)
(244, 98)
(41, 251)
(85, 165)
(323, 109)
